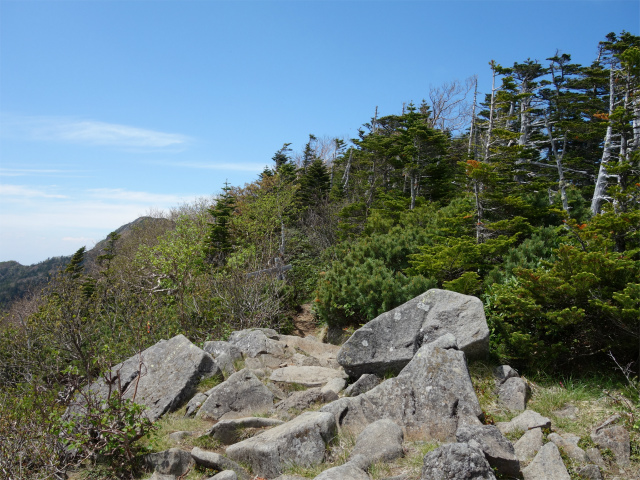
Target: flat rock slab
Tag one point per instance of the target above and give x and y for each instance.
(365, 383)
(547, 465)
(254, 342)
(171, 370)
(430, 398)
(241, 395)
(456, 461)
(527, 420)
(388, 342)
(498, 451)
(218, 462)
(170, 462)
(227, 431)
(302, 441)
(569, 447)
(307, 376)
(299, 401)
(324, 352)
(225, 475)
(348, 471)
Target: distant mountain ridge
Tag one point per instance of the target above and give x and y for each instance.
(16, 280)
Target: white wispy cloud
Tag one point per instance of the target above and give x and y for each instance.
(21, 191)
(146, 198)
(86, 240)
(40, 172)
(88, 132)
(239, 167)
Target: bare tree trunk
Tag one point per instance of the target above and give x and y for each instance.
(491, 110)
(558, 157)
(601, 182)
(345, 176)
(473, 117)
(413, 189)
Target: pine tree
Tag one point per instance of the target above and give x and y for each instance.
(218, 244)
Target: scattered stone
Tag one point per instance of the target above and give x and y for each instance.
(254, 342)
(498, 451)
(170, 462)
(227, 431)
(290, 477)
(177, 437)
(307, 376)
(514, 393)
(218, 348)
(380, 441)
(503, 373)
(432, 396)
(335, 385)
(616, 439)
(161, 476)
(301, 441)
(527, 420)
(589, 472)
(528, 445)
(195, 403)
(456, 461)
(225, 475)
(568, 411)
(595, 456)
(241, 395)
(365, 383)
(547, 465)
(325, 353)
(388, 342)
(218, 462)
(348, 471)
(299, 401)
(570, 448)
(300, 360)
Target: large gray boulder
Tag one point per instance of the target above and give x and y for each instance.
(388, 342)
(365, 383)
(241, 395)
(547, 465)
(529, 444)
(254, 342)
(302, 441)
(498, 451)
(162, 377)
(170, 462)
(616, 439)
(226, 355)
(570, 448)
(430, 398)
(218, 462)
(299, 401)
(228, 431)
(514, 393)
(527, 420)
(325, 353)
(456, 461)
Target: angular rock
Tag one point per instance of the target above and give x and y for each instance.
(430, 398)
(300, 360)
(301, 441)
(217, 348)
(307, 376)
(380, 441)
(503, 373)
(589, 472)
(456, 461)
(241, 395)
(218, 462)
(171, 370)
(568, 447)
(290, 477)
(595, 457)
(388, 342)
(170, 462)
(335, 385)
(162, 476)
(227, 431)
(528, 445)
(348, 471)
(195, 403)
(225, 475)
(547, 465)
(365, 383)
(254, 342)
(616, 439)
(498, 451)
(527, 420)
(299, 401)
(514, 393)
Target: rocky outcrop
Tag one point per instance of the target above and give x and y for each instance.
(388, 342)
(380, 441)
(498, 451)
(365, 383)
(547, 465)
(456, 461)
(228, 431)
(307, 376)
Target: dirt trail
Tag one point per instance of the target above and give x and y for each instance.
(304, 322)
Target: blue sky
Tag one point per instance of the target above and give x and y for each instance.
(111, 108)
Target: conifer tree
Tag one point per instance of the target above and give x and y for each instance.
(218, 244)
